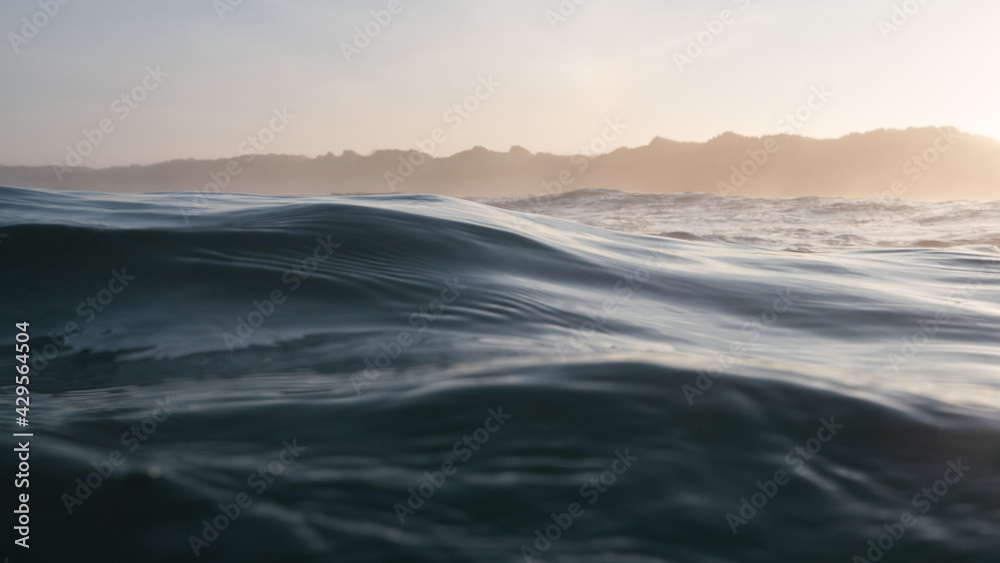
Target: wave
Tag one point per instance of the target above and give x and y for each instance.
(385, 333)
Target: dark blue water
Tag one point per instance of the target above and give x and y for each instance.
(419, 378)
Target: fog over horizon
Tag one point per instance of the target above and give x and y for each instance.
(209, 80)
(587, 148)
(917, 163)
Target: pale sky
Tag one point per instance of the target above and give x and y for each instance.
(557, 84)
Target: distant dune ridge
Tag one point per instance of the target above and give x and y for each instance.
(917, 163)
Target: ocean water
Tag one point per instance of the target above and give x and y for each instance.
(586, 377)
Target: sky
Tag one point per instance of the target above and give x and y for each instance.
(211, 78)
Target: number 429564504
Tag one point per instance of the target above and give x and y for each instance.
(22, 349)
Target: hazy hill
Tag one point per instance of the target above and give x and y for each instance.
(925, 163)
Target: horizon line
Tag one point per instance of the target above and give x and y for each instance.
(374, 152)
